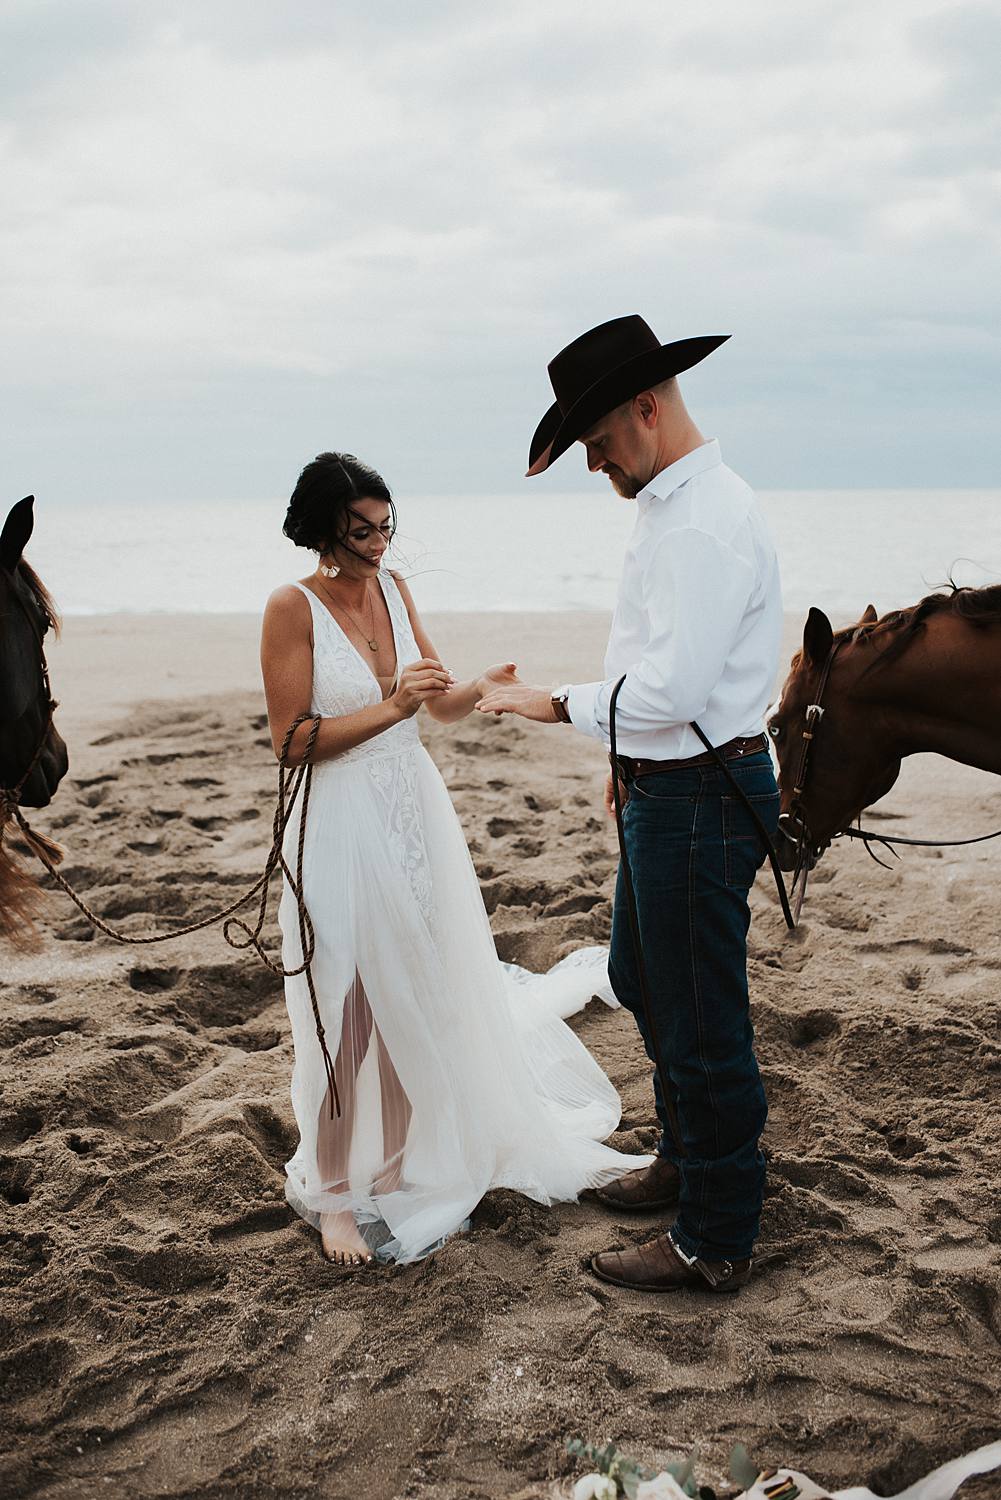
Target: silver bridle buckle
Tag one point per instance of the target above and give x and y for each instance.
(814, 714)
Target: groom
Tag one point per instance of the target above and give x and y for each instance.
(696, 631)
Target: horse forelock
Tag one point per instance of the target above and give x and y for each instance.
(41, 594)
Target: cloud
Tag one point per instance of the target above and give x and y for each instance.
(239, 234)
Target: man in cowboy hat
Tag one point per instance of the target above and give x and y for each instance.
(696, 634)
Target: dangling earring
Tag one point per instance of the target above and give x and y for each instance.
(328, 572)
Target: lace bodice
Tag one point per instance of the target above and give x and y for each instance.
(343, 682)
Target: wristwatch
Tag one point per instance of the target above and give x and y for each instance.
(559, 702)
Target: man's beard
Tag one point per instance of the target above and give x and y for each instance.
(622, 483)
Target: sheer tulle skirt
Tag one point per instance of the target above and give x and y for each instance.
(456, 1073)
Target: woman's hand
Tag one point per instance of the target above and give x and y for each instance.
(504, 674)
(420, 681)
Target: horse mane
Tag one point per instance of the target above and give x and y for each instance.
(42, 594)
(980, 607)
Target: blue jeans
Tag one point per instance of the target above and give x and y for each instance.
(693, 852)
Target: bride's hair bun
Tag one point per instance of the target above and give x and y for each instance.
(316, 514)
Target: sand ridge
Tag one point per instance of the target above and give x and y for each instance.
(168, 1325)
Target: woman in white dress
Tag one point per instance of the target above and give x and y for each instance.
(454, 1072)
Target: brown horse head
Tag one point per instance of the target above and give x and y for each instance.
(33, 757)
(834, 762)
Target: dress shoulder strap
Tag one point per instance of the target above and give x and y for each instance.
(315, 607)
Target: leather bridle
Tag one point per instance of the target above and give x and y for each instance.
(806, 849)
(10, 796)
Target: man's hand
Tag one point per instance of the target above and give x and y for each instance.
(528, 702)
(609, 799)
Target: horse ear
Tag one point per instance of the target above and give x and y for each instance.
(818, 637)
(16, 532)
(870, 617)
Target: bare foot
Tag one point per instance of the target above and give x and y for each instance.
(342, 1244)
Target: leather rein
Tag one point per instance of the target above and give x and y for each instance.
(806, 850)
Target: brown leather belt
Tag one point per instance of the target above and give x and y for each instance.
(736, 749)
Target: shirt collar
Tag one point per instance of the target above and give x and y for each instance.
(662, 485)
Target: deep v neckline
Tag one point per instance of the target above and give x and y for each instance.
(392, 626)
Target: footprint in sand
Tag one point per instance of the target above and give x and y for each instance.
(254, 1230)
(152, 981)
(956, 1255)
(16, 1180)
(146, 846)
(901, 1142)
(813, 1026)
(17, 1029)
(581, 902)
(94, 795)
(38, 1366)
(169, 1269)
(211, 994)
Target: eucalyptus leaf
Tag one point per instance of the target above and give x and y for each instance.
(682, 1471)
(742, 1470)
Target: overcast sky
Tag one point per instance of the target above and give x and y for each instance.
(235, 234)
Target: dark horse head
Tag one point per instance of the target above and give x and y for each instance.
(833, 759)
(33, 758)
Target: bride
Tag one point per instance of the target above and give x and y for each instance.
(454, 1073)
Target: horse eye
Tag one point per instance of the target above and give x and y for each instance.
(775, 730)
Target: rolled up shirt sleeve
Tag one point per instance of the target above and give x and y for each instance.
(696, 592)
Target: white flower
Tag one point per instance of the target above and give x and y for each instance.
(595, 1487)
(808, 1489)
(664, 1487)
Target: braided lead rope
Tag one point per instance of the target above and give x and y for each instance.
(282, 816)
(289, 787)
(307, 937)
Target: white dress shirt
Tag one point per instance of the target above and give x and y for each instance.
(698, 621)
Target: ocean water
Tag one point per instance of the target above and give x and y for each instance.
(838, 549)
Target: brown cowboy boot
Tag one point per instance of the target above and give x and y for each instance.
(661, 1267)
(640, 1192)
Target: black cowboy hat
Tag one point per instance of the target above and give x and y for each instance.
(599, 371)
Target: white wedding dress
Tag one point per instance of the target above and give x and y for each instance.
(456, 1073)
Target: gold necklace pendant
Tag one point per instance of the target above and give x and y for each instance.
(359, 624)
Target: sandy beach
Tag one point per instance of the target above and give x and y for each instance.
(169, 1327)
